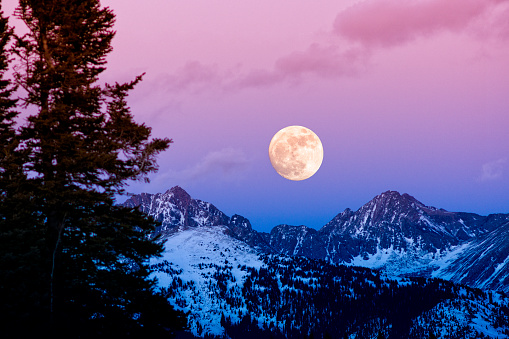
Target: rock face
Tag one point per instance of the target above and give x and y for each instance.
(176, 210)
(390, 221)
(393, 232)
(484, 263)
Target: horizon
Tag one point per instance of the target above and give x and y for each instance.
(268, 228)
(410, 97)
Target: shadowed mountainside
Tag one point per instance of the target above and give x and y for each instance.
(393, 232)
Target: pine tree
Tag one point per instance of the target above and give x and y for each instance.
(20, 239)
(83, 271)
(7, 114)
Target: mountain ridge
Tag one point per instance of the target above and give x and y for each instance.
(393, 232)
(230, 290)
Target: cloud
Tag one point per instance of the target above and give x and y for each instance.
(226, 164)
(494, 22)
(356, 32)
(493, 170)
(388, 23)
(378, 23)
(321, 61)
(257, 78)
(316, 60)
(193, 75)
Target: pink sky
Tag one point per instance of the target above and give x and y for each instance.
(405, 95)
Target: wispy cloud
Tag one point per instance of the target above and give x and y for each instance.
(317, 60)
(494, 22)
(380, 24)
(225, 164)
(356, 33)
(323, 61)
(392, 22)
(193, 76)
(493, 170)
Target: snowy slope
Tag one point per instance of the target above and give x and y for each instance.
(398, 234)
(471, 316)
(484, 263)
(210, 275)
(393, 232)
(207, 267)
(231, 279)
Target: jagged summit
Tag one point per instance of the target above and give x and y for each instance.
(396, 199)
(213, 268)
(392, 231)
(241, 222)
(393, 200)
(179, 192)
(177, 210)
(180, 196)
(389, 193)
(387, 208)
(177, 189)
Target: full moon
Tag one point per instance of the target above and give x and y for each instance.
(296, 153)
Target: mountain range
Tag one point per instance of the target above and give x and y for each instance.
(395, 268)
(393, 233)
(228, 289)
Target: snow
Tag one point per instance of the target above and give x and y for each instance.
(204, 258)
(377, 260)
(445, 259)
(413, 260)
(366, 216)
(433, 226)
(496, 273)
(482, 325)
(196, 253)
(468, 316)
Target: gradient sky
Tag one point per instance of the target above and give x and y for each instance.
(410, 96)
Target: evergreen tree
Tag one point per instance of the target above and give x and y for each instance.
(20, 237)
(7, 104)
(73, 262)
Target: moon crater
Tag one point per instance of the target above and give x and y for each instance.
(296, 153)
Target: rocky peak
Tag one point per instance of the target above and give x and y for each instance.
(285, 230)
(397, 221)
(394, 200)
(138, 200)
(389, 207)
(180, 196)
(347, 212)
(240, 228)
(238, 221)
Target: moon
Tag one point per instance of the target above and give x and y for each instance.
(296, 153)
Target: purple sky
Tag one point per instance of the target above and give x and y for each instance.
(410, 96)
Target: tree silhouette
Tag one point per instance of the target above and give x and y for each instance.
(73, 261)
